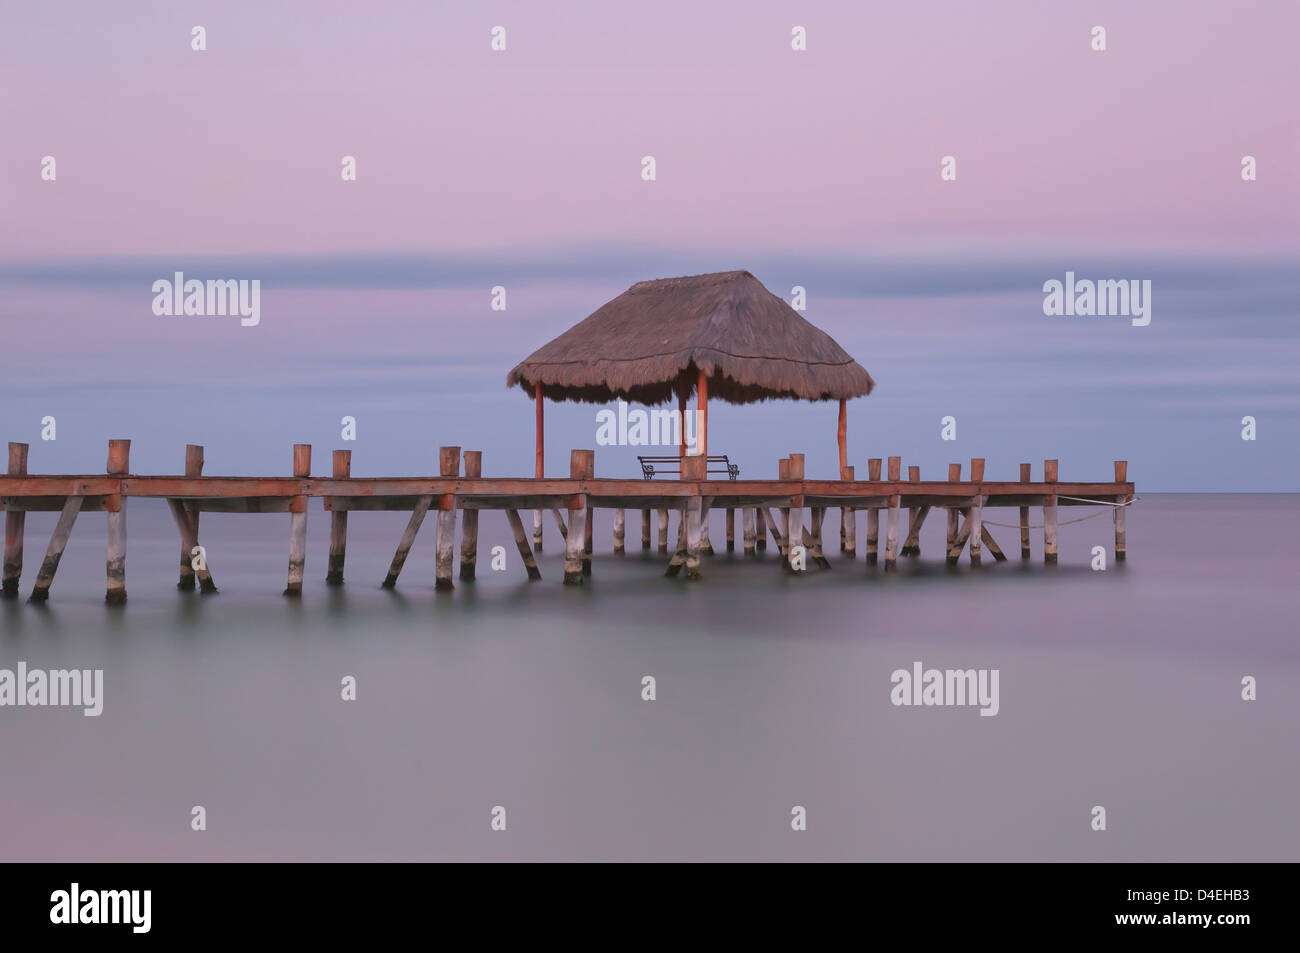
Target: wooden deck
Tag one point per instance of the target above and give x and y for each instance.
(766, 506)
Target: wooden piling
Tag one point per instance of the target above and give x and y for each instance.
(298, 523)
(912, 542)
(619, 531)
(473, 463)
(1024, 515)
(1121, 543)
(444, 543)
(679, 550)
(58, 541)
(731, 529)
(342, 468)
(663, 531)
(873, 516)
(575, 543)
(794, 521)
(695, 469)
(760, 530)
(408, 540)
(748, 518)
(190, 513)
(537, 530)
(891, 528)
(119, 464)
(954, 516)
(1050, 476)
(992, 543)
(15, 525)
(706, 545)
(589, 518)
(813, 539)
(976, 521)
(521, 541)
(848, 522)
(645, 530)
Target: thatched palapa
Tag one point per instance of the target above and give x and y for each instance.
(656, 339)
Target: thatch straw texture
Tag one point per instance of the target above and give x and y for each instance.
(647, 344)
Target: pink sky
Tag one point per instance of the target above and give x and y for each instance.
(237, 149)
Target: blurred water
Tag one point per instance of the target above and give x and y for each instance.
(1118, 688)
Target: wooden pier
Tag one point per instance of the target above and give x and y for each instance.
(777, 507)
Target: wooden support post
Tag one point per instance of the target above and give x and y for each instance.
(473, 463)
(444, 541)
(15, 524)
(694, 519)
(679, 551)
(342, 468)
(1050, 476)
(663, 531)
(1024, 515)
(813, 540)
(954, 517)
(842, 435)
(976, 520)
(848, 521)
(645, 530)
(576, 541)
(193, 468)
(619, 531)
(1121, 542)
(589, 519)
(521, 541)
(778, 537)
(559, 523)
(912, 541)
(959, 542)
(408, 540)
(59, 540)
(748, 517)
(992, 544)
(706, 545)
(539, 464)
(119, 464)
(891, 534)
(783, 543)
(760, 530)
(702, 438)
(298, 523)
(873, 515)
(794, 521)
(731, 529)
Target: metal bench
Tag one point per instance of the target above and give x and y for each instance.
(651, 466)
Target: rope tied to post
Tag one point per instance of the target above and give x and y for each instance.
(1077, 499)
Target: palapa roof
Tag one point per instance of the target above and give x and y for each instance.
(646, 345)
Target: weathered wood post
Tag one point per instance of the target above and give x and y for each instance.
(59, 540)
(298, 522)
(119, 464)
(539, 467)
(747, 519)
(574, 544)
(760, 530)
(976, 516)
(954, 515)
(1024, 515)
(444, 543)
(694, 469)
(912, 542)
(186, 517)
(784, 541)
(1121, 476)
(706, 545)
(619, 531)
(473, 461)
(1050, 476)
(521, 542)
(408, 540)
(731, 529)
(342, 469)
(181, 512)
(873, 514)
(794, 521)
(891, 528)
(645, 530)
(663, 531)
(848, 522)
(15, 524)
(589, 521)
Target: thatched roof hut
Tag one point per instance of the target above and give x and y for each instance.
(722, 335)
(654, 339)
